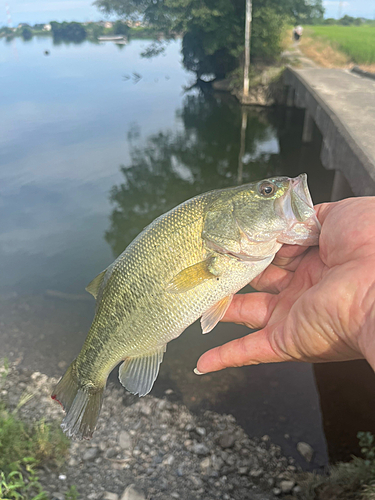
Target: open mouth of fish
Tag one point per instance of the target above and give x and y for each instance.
(296, 206)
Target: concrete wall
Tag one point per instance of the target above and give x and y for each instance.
(340, 152)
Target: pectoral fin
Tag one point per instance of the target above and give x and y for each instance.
(191, 277)
(94, 285)
(138, 374)
(212, 317)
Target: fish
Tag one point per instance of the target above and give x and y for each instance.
(187, 264)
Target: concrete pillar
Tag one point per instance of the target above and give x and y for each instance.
(340, 188)
(308, 127)
(290, 97)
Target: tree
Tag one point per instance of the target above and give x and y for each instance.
(71, 32)
(26, 33)
(120, 28)
(213, 30)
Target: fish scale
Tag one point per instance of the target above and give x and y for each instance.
(186, 264)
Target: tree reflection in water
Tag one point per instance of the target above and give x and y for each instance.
(201, 154)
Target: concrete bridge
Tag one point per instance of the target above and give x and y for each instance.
(342, 104)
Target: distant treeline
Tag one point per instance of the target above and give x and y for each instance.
(348, 21)
(74, 32)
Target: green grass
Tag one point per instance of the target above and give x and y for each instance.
(24, 448)
(356, 41)
(354, 480)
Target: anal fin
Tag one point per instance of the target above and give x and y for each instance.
(138, 374)
(212, 317)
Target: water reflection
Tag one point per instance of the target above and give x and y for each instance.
(202, 154)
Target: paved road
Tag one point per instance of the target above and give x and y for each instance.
(342, 105)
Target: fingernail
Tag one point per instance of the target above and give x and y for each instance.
(197, 372)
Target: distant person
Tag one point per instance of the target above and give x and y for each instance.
(297, 33)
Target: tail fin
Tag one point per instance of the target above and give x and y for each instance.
(82, 405)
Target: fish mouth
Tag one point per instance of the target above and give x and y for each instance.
(296, 206)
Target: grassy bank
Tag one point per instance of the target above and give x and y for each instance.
(25, 448)
(357, 42)
(354, 480)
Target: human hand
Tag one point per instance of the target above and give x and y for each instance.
(315, 304)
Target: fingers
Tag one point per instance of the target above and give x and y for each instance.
(273, 279)
(289, 256)
(251, 309)
(250, 350)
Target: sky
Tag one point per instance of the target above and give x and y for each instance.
(43, 11)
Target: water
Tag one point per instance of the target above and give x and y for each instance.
(95, 143)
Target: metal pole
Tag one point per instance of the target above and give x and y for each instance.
(247, 48)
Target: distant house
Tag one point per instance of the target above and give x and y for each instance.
(135, 24)
(47, 27)
(105, 24)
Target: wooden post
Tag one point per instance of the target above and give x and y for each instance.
(247, 48)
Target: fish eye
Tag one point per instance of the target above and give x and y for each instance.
(267, 189)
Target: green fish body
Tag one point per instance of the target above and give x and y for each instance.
(185, 265)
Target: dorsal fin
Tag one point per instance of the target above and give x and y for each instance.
(94, 285)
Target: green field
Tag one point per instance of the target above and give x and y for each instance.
(356, 41)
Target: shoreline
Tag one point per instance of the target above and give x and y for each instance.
(155, 447)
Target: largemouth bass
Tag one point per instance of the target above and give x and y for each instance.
(185, 265)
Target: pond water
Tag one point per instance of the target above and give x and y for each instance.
(95, 142)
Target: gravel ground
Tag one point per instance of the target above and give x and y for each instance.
(153, 448)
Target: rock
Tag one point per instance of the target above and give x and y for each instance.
(201, 431)
(110, 453)
(276, 491)
(133, 493)
(168, 460)
(242, 471)
(227, 441)
(110, 496)
(287, 486)
(197, 481)
(125, 440)
(146, 410)
(305, 450)
(58, 496)
(90, 454)
(256, 473)
(205, 463)
(200, 449)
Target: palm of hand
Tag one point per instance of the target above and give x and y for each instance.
(314, 305)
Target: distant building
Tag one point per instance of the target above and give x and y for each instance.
(134, 24)
(105, 24)
(23, 25)
(47, 27)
